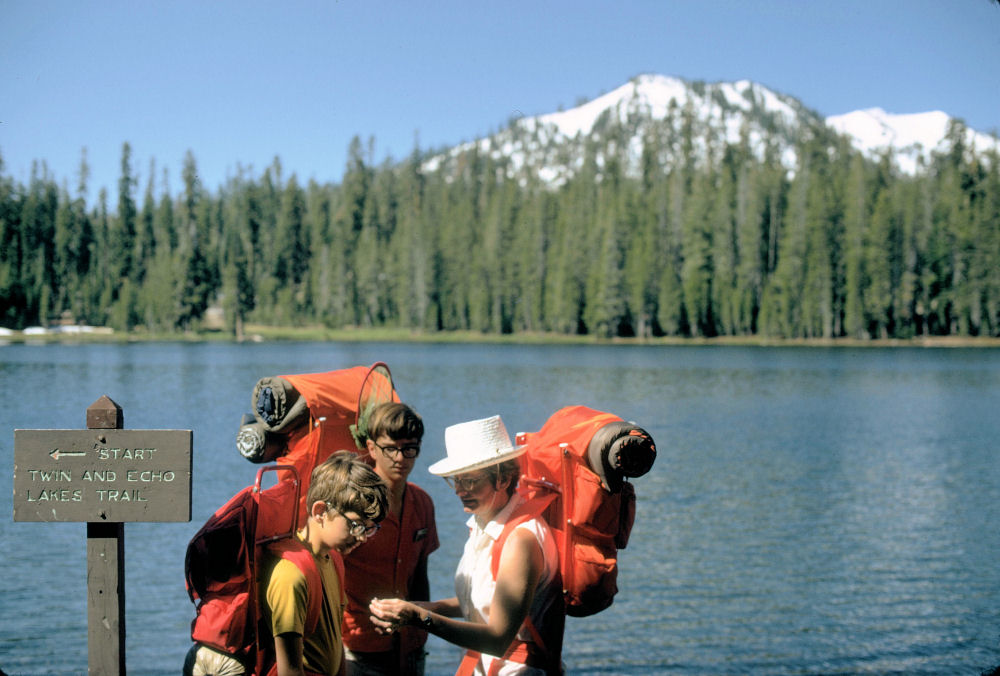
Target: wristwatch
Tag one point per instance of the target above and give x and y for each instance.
(426, 622)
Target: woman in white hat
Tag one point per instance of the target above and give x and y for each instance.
(508, 613)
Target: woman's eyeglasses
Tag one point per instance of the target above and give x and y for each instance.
(408, 452)
(467, 484)
(357, 528)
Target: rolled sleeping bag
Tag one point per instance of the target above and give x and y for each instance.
(618, 450)
(255, 443)
(277, 405)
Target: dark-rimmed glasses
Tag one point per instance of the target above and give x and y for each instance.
(356, 528)
(409, 451)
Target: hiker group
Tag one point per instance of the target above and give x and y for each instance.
(326, 572)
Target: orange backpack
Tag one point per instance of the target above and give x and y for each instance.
(573, 475)
(302, 419)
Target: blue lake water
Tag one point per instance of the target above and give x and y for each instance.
(811, 510)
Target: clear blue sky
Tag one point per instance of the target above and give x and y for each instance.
(238, 83)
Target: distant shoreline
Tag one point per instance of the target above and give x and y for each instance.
(261, 334)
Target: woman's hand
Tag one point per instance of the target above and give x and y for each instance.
(389, 614)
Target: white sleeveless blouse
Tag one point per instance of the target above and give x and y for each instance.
(474, 583)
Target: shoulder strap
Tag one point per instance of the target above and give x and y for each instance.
(533, 508)
(296, 552)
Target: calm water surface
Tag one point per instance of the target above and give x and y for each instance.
(811, 511)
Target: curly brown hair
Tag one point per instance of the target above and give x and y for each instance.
(346, 483)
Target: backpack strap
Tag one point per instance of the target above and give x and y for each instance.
(518, 650)
(468, 663)
(290, 549)
(531, 509)
(293, 550)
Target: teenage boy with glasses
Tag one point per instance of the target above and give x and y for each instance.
(394, 564)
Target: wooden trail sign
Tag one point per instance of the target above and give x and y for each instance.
(104, 476)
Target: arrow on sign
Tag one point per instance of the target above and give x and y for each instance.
(56, 454)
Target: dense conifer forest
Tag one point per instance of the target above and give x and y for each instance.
(723, 242)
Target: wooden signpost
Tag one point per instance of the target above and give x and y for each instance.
(104, 476)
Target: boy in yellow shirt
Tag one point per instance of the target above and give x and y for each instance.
(346, 502)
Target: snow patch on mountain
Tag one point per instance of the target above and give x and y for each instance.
(911, 137)
(552, 145)
(654, 96)
(651, 93)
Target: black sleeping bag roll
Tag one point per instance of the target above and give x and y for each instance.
(619, 450)
(277, 405)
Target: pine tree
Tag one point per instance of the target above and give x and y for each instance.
(643, 250)
(197, 280)
(291, 254)
(65, 253)
(781, 308)
(981, 229)
(696, 242)
(125, 228)
(565, 297)
(74, 248)
(37, 245)
(237, 283)
(855, 221)
(531, 244)
(164, 226)
(368, 267)
(605, 312)
(101, 282)
(913, 220)
(12, 293)
(412, 245)
(671, 313)
(881, 256)
(817, 315)
(145, 239)
(724, 256)
(988, 225)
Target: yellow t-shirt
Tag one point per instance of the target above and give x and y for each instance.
(286, 602)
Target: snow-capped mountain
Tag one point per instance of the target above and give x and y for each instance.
(552, 145)
(911, 137)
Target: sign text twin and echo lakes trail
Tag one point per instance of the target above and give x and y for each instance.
(103, 476)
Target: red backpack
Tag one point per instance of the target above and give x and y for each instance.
(220, 571)
(573, 476)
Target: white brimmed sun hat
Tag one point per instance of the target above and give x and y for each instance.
(474, 445)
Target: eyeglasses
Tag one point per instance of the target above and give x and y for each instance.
(357, 528)
(408, 452)
(468, 484)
